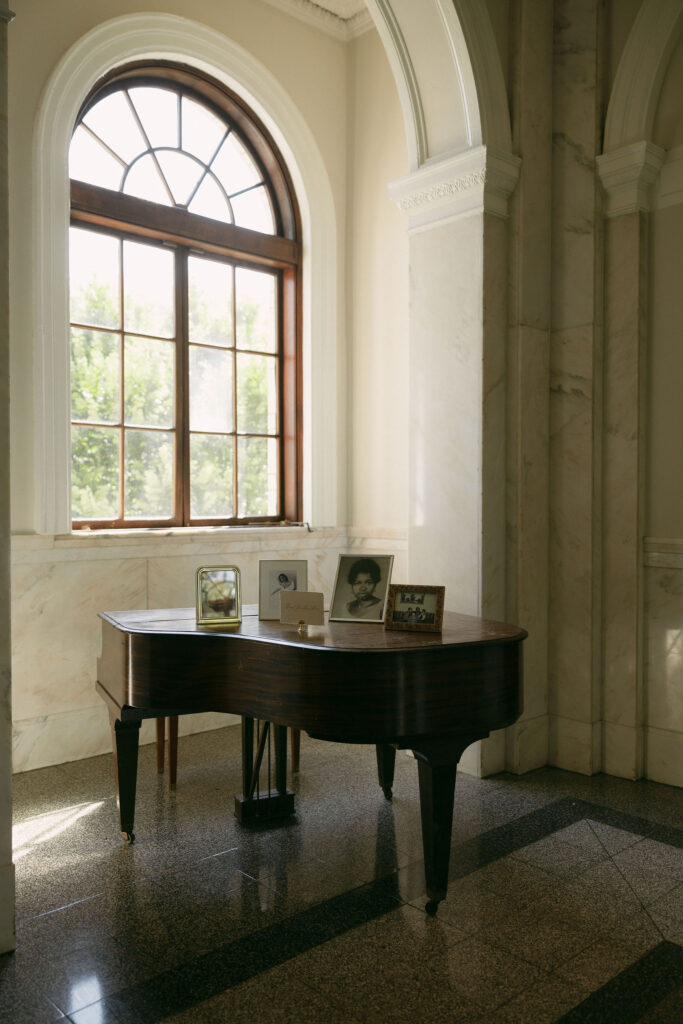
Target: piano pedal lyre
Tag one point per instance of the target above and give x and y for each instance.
(259, 803)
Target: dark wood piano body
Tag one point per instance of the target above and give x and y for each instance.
(432, 693)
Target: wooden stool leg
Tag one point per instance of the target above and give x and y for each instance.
(161, 728)
(296, 748)
(172, 750)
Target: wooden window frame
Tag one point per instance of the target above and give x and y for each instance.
(129, 217)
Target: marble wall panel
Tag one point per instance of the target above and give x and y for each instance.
(574, 524)
(56, 630)
(664, 664)
(575, 746)
(664, 756)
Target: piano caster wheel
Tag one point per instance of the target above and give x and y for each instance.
(388, 794)
(431, 907)
(129, 837)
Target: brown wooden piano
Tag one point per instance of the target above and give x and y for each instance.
(431, 693)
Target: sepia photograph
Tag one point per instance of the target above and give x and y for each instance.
(360, 588)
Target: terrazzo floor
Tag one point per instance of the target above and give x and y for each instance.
(565, 900)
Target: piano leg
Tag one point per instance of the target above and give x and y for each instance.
(386, 761)
(126, 737)
(437, 761)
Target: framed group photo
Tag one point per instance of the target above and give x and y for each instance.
(415, 607)
(360, 588)
(219, 599)
(276, 575)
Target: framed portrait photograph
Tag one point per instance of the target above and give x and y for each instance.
(276, 575)
(219, 599)
(360, 588)
(415, 607)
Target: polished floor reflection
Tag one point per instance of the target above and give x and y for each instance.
(565, 900)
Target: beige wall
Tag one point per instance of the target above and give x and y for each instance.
(377, 297)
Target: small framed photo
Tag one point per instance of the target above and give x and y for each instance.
(360, 588)
(276, 575)
(219, 599)
(415, 607)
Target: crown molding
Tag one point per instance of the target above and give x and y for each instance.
(480, 179)
(339, 27)
(627, 176)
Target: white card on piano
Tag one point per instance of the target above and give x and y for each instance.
(297, 606)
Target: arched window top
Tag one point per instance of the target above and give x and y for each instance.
(159, 134)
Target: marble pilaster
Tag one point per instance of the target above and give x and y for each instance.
(6, 865)
(528, 375)
(458, 334)
(575, 394)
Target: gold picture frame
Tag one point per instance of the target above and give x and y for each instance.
(413, 606)
(219, 596)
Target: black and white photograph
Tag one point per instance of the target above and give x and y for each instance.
(219, 600)
(276, 575)
(412, 606)
(360, 588)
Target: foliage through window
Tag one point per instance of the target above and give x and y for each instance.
(184, 284)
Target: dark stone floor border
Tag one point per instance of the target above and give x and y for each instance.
(212, 973)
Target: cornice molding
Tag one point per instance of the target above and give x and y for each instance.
(479, 179)
(668, 190)
(336, 26)
(6, 15)
(627, 176)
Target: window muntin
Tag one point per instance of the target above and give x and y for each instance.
(183, 338)
(157, 144)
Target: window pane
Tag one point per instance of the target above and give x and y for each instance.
(211, 390)
(89, 161)
(112, 120)
(211, 202)
(144, 181)
(149, 376)
(202, 131)
(94, 278)
(256, 394)
(256, 325)
(158, 112)
(234, 168)
(253, 210)
(148, 287)
(211, 480)
(95, 376)
(182, 174)
(149, 474)
(210, 301)
(257, 477)
(94, 473)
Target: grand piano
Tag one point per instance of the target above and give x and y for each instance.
(431, 693)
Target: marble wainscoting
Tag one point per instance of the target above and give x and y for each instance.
(664, 660)
(60, 584)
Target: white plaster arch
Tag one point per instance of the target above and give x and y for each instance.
(164, 36)
(448, 74)
(640, 73)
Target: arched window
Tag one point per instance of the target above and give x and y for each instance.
(185, 297)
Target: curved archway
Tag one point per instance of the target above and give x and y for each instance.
(631, 110)
(161, 36)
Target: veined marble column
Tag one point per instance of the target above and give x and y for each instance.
(455, 429)
(6, 865)
(576, 394)
(528, 373)
(627, 176)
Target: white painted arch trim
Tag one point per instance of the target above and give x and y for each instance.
(638, 81)
(165, 36)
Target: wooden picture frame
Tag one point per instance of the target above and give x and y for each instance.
(219, 596)
(271, 582)
(414, 606)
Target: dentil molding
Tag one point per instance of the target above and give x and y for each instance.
(478, 179)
